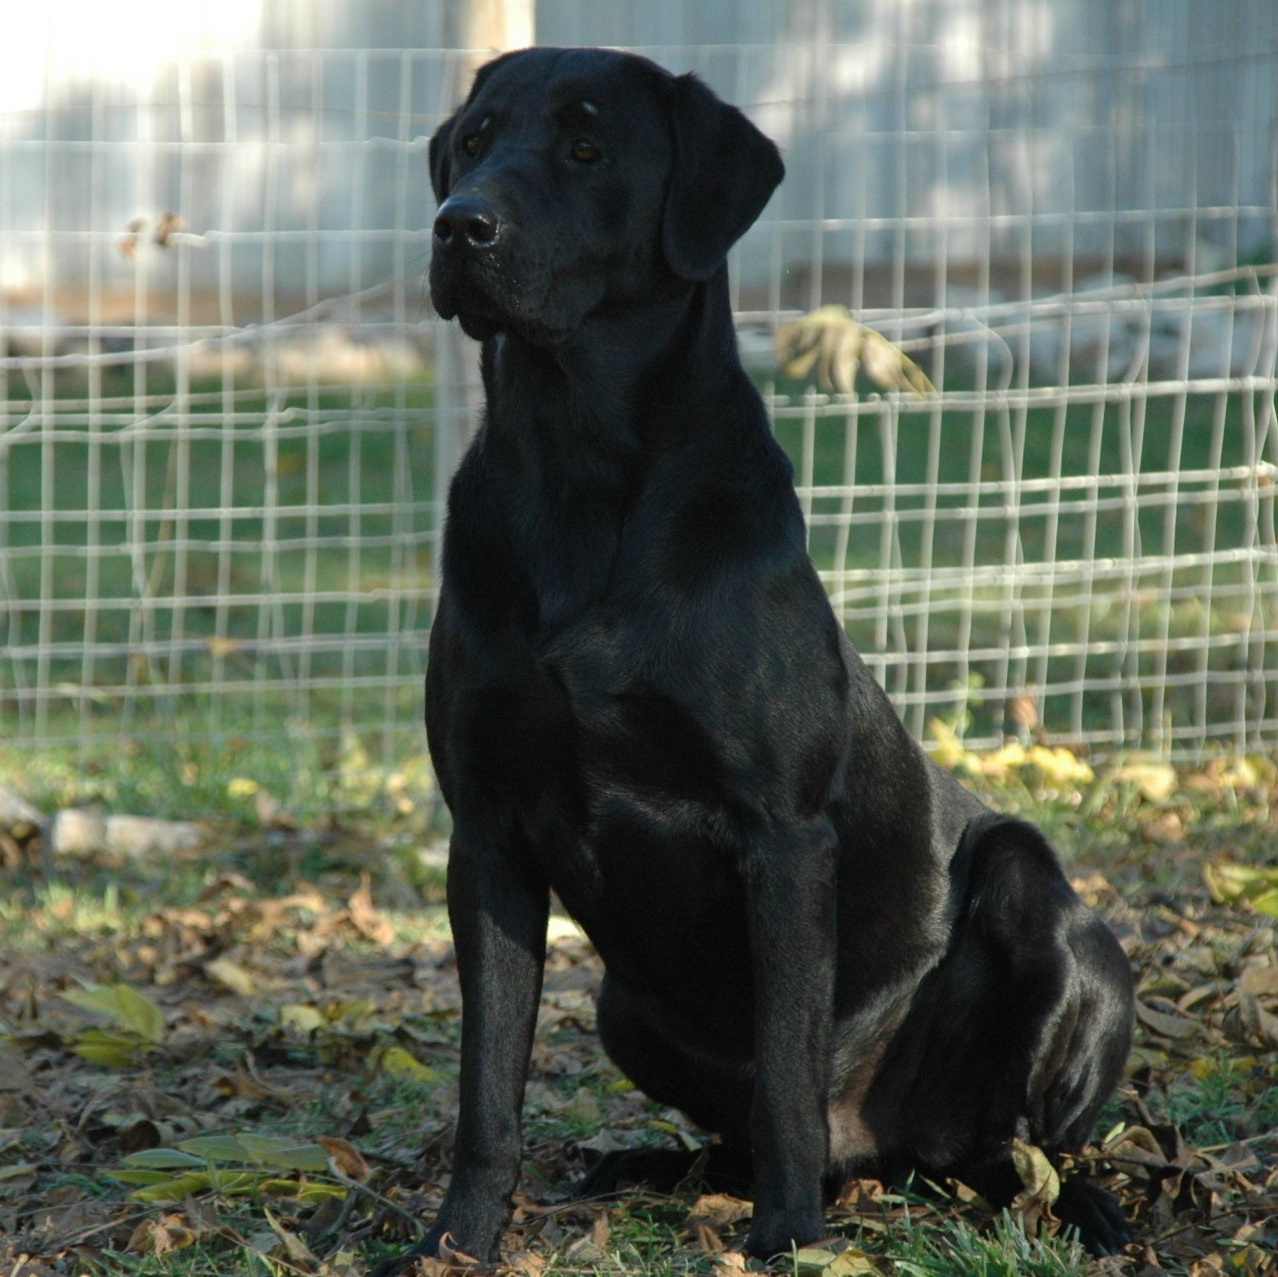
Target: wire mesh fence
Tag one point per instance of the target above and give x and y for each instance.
(1091, 561)
(217, 451)
(223, 432)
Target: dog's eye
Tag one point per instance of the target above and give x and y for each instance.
(585, 151)
(471, 144)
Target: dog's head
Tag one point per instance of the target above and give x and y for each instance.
(575, 179)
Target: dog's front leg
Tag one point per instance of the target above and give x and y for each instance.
(498, 909)
(792, 941)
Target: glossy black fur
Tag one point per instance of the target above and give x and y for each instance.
(818, 945)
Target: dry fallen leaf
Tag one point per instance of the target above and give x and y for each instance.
(160, 1236)
(704, 1238)
(718, 1210)
(233, 976)
(1231, 883)
(346, 1157)
(523, 1263)
(1042, 1185)
(1260, 980)
(449, 1255)
(364, 916)
(1167, 1024)
(1164, 829)
(294, 1247)
(590, 1248)
(1156, 782)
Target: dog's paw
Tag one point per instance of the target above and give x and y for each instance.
(661, 1169)
(779, 1234)
(1102, 1227)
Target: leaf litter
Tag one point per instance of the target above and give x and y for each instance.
(267, 1065)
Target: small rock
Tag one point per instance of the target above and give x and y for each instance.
(16, 814)
(77, 832)
(31, 332)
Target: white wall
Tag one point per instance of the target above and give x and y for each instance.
(915, 131)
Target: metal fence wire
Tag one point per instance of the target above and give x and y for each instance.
(223, 434)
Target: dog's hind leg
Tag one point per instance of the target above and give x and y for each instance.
(1021, 1031)
(714, 1095)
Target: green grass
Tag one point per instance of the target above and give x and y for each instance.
(1034, 444)
(955, 1249)
(1221, 1099)
(246, 778)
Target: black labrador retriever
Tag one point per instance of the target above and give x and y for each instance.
(817, 944)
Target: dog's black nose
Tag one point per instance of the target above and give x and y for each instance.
(466, 222)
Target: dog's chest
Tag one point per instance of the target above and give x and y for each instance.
(619, 796)
(635, 711)
(649, 866)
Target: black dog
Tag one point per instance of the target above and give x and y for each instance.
(818, 945)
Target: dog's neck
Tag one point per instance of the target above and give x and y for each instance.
(569, 429)
(608, 372)
(619, 354)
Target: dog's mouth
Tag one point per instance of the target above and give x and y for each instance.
(539, 287)
(476, 322)
(457, 294)
(485, 306)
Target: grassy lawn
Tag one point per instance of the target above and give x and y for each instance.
(276, 1093)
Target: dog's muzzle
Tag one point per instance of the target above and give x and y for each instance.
(464, 264)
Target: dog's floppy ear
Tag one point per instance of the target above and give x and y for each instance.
(440, 163)
(723, 173)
